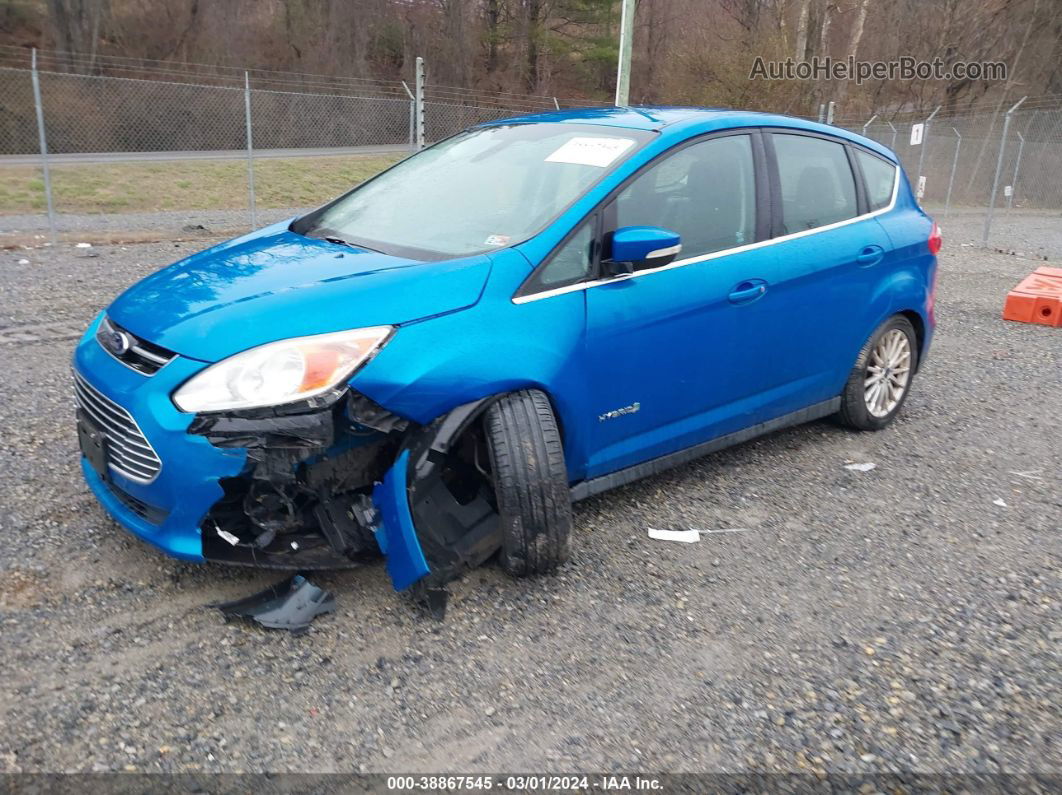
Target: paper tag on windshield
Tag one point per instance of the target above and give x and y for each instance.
(598, 152)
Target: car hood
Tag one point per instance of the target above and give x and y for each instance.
(274, 284)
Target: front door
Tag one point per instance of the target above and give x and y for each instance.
(660, 351)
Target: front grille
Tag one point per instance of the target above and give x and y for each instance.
(132, 351)
(128, 452)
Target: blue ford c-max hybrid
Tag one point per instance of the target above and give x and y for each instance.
(435, 364)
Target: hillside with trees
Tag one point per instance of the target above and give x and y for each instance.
(685, 51)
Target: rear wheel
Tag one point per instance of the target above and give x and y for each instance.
(881, 378)
(530, 483)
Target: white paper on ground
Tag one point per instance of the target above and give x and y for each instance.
(685, 536)
(861, 467)
(598, 152)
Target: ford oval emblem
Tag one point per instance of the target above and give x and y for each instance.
(119, 343)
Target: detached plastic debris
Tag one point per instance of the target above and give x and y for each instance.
(1000, 502)
(861, 467)
(291, 605)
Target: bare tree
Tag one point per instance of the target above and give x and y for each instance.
(78, 25)
(855, 36)
(800, 53)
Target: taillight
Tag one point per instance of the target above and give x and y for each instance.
(935, 239)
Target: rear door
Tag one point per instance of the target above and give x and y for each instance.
(826, 254)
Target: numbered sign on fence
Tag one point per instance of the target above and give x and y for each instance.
(921, 187)
(916, 134)
(1008, 191)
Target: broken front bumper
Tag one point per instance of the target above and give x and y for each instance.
(166, 509)
(322, 489)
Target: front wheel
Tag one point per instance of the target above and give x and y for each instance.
(530, 483)
(881, 378)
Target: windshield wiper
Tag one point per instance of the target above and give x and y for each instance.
(341, 242)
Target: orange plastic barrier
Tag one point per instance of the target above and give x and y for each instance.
(1038, 299)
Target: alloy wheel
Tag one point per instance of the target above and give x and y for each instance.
(888, 373)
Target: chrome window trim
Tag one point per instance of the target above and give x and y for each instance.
(724, 252)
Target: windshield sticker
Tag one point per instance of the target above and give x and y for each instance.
(598, 152)
(497, 240)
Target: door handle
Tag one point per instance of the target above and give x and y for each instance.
(748, 291)
(871, 255)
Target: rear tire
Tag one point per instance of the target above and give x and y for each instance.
(530, 483)
(889, 357)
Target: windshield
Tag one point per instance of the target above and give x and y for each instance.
(481, 190)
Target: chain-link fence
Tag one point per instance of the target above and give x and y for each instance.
(141, 149)
(136, 147)
(992, 181)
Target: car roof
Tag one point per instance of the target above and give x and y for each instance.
(686, 121)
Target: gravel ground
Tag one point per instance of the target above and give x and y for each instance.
(107, 227)
(893, 620)
(1036, 234)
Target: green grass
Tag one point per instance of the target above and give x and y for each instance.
(186, 185)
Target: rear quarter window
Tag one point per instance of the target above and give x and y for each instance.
(880, 176)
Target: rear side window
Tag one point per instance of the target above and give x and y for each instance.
(816, 181)
(880, 176)
(706, 192)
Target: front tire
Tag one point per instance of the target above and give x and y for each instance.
(881, 379)
(530, 483)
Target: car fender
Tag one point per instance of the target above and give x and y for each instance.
(900, 291)
(430, 367)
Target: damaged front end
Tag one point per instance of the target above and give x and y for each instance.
(339, 480)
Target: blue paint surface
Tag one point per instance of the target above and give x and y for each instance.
(396, 536)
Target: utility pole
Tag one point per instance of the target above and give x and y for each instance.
(623, 69)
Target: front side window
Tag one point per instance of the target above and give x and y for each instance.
(880, 176)
(706, 192)
(481, 190)
(570, 264)
(816, 181)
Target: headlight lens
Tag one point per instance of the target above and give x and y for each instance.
(280, 372)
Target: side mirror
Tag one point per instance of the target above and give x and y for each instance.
(641, 247)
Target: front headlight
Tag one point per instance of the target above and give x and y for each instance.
(280, 372)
